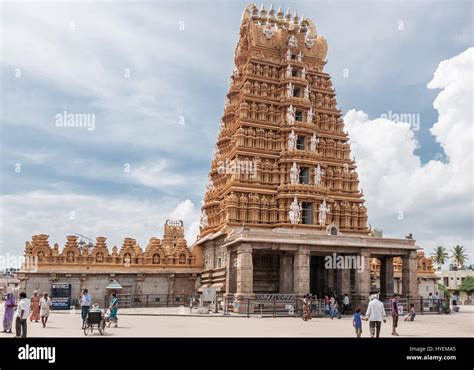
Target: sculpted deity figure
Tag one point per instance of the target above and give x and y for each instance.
(294, 174)
(268, 31)
(295, 211)
(299, 57)
(310, 115)
(314, 142)
(204, 222)
(210, 184)
(308, 41)
(288, 55)
(323, 210)
(289, 90)
(303, 73)
(306, 92)
(346, 167)
(289, 70)
(292, 140)
(290, 115)
(292, 43)
(317, 175)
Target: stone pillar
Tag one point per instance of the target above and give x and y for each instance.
(386, 277)
(301, 271)
(286, 274)
(244, 269)
(228, 271)
(244, 277)
(330, 281)
(343, 281)
(362, 276)
(409, 280)
(323, 274)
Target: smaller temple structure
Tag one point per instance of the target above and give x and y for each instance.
(166, 266)
(425, 274)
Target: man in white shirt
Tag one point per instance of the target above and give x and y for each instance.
(22, 313)
(375, 314)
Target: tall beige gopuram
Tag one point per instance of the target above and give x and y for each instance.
(283, 192)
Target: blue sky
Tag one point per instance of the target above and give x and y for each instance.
(157, 91)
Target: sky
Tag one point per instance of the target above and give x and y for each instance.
(152, 75)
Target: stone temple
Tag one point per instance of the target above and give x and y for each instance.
(282, 197)
(283, 192)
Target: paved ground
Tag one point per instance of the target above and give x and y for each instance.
(145, 323)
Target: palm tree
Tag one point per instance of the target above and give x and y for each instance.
(440, 256)
(459, 256)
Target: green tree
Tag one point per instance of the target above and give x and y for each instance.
(467, 285)
(440, 256)
(459, 256)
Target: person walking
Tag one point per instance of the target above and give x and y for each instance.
(35, 308)
(357, 323)
(23, 311)
(85, 305)
(375, 314)
(307, 307)
(394, 309)
(10, 304)
(345, 304)
(113, 306)
(45, 304)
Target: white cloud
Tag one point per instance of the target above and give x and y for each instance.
(436, 198)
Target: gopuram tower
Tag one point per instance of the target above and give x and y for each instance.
(283, 191)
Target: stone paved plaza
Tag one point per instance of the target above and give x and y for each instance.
(167, 323)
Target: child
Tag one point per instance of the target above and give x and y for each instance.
(411, 314)
(357, 323)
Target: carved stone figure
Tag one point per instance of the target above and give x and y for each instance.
(314, 142)
(292, 140)
(310, 115)
(308, 41)
(290, 115)
(289, 90)
(306, 92)
(292, 42)
(268, 31)
(323, 210)
(317, 175)
(204, 222)
(295, 211)
(294, 174)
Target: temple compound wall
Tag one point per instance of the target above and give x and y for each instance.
(166, 266)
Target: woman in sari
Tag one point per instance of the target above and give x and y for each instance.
(35, 307)
(10, 305)
(113, 307)
(307, 307)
